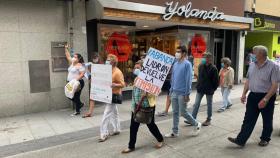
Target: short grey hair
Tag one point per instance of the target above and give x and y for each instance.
(226, 60)
(261, 48)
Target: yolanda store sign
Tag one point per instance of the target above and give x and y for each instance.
(188, 12)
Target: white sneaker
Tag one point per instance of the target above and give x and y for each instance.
(196, 129)
(171, 135)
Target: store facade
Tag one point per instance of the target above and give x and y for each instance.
(129, 28)
(266, 32)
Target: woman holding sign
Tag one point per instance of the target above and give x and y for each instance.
(141, 99)
(111, 114)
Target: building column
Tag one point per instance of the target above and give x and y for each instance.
(240, 56)
(80, 39)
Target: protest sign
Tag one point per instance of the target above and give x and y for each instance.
(154, 71)
(101, 81)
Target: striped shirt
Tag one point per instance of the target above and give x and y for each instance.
(261, 77)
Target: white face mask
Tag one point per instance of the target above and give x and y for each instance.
(95, 60)
(108, 62)
(178, 55)
(73, 60)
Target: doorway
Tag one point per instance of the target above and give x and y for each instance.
(218, 52)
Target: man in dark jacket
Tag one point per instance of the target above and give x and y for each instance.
(207, 84)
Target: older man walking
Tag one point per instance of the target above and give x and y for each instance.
(262, 81)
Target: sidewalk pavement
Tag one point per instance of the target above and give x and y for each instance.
(41, 125)
(211, 142)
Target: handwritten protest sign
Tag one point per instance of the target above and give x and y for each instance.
(101, 81)
(155, 69)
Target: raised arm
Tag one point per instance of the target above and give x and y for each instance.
(67, 54)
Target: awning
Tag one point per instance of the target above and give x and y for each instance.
(117, 10)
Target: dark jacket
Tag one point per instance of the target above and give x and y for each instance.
(208, 79)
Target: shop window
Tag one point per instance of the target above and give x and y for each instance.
(119, 40)
(197, 44)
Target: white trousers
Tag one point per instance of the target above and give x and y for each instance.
(111, 115)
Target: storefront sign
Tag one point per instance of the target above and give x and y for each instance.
(261, 23)
(188, 12)
(155, 69)
(119, 45)
(101, 81)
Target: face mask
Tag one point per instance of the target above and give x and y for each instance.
(222, 65)
(203, 61)
(95, 60)
(73, 60)
(136, 72)
(178, 55)
(108, 62)
(253, 58)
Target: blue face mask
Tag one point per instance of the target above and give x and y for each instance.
(222, 65)
(136, 72)
(253, 58)
(203, 61)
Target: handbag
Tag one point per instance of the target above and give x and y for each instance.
(71, 88)
(117, 99)
(143, 115)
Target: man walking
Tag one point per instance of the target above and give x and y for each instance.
(262, 81)
(181, 81)
(207, 84)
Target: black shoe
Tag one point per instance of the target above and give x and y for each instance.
(233, 140)
(263, 143)
(75, 114)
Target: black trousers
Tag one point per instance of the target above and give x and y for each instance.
(251, 117)
(134, 126)
(77, 97)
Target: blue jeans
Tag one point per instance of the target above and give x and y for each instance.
(226, 100)
(179, 108)
(196, 105)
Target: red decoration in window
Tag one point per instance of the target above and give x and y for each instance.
(198, 46)
(119, 45)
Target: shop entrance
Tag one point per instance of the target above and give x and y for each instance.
(218, 52)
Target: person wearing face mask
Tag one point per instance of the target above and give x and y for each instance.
(111, 114)
(261, 83)
(95, 60)
(181, 83)
(207, 84)
(226, 82)
(148, 102)
(76, 71)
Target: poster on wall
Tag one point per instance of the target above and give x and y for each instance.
(198, 46)
(119, 45)
(101, 81)
(155, 69)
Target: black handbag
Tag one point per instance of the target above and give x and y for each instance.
(143, 115)
(117, 99)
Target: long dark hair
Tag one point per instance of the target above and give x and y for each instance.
(80, 58)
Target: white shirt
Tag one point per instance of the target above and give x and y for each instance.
(74, 72)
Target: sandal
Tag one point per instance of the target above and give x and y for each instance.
(126, 151)
(86, 115)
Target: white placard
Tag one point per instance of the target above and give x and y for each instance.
(155, 69)
(101, 81)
